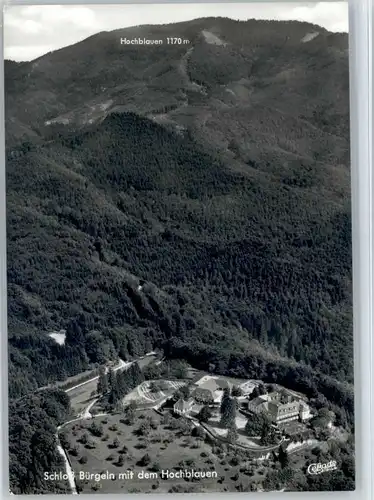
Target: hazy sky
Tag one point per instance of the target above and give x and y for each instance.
(30, 31)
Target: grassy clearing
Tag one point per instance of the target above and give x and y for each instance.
(81, 396)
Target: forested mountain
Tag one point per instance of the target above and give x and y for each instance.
(191, 197)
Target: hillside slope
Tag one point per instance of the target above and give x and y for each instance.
(218, 176)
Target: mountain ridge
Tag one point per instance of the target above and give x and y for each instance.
(223, 180)
(119, 66)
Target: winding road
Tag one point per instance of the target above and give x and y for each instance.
(122, 364)
(68, 469)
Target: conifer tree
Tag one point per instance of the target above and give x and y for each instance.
(225, 400)
(229, 413)
(283, 457)
(232, 433)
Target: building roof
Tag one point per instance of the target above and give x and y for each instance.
(258, 401)
(279, 409)
(214, 384)
(198, 376)
(304, 405)
(247, 387)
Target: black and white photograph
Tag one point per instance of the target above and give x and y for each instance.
(179, 248)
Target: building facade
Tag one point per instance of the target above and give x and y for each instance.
(182, 406)
(280, 408)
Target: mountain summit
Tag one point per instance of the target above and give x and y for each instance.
(294, 70)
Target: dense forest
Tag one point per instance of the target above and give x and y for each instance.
(146, 204)
(33, 442)
(203, 215)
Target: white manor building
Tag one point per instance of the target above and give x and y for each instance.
(280, 408)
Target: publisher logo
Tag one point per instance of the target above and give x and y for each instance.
(319, 468)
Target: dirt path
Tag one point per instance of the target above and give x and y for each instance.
(68, 469)
(122, 364)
